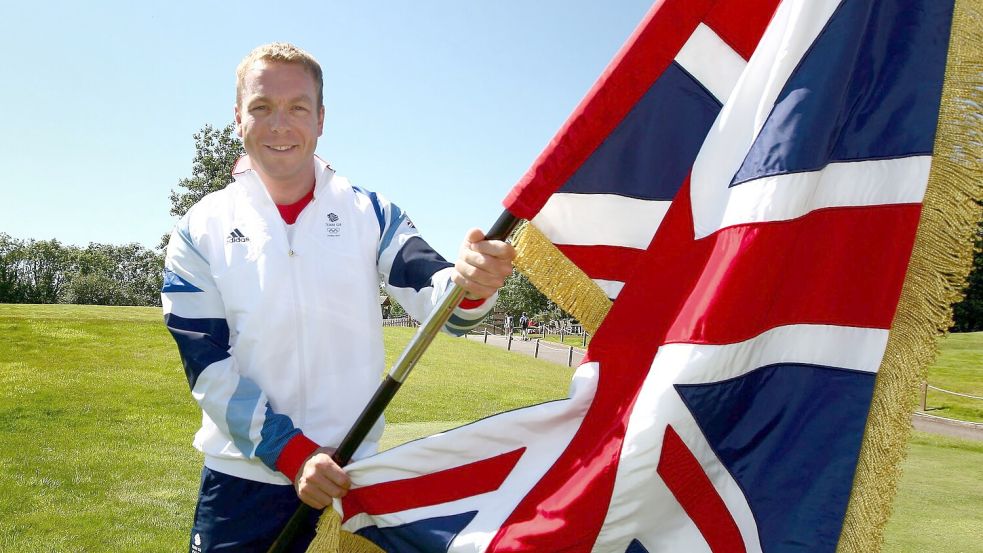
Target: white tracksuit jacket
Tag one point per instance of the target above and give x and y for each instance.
(279, 327)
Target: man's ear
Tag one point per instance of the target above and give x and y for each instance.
(238, 116)
(320, 120)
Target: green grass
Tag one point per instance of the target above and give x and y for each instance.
(568, 339)
(96, 423)
(959, 368)
(453, 381)
(939, 506)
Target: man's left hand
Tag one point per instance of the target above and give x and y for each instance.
(482, 265)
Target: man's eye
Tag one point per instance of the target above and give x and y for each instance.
(259, 108)
(299, 108)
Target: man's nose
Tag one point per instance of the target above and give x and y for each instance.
(278, 121)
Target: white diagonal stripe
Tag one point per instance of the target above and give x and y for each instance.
(711, 61)
(854, 348)
(600, 219)
(611, 288)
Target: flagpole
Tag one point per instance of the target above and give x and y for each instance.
(501, 230)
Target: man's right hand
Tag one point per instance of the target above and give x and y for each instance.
(320, 479)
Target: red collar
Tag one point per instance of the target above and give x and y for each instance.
(290, 212)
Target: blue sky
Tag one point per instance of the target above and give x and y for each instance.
(441, 106)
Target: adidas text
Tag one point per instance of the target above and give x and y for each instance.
(236, 236)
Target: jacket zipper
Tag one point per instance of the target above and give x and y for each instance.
(299, 308)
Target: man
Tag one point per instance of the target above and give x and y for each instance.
(271, 293)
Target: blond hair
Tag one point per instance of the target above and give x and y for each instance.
(281, 52)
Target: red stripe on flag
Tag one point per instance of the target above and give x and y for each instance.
(565, 510)
(432, 489)
(685, 478)
(639, 63)
(842, 266)
(603, 262)
(838, 266)
(724, 288)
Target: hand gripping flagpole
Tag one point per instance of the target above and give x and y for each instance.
(501, 230)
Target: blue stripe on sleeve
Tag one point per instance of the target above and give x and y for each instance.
(376, 206)
(462, 322)
(185, 234)
(455, 330)
(201, 342)
(396, 220)
(239, 414)
(277, 431)
(173, 283)
(414, 264)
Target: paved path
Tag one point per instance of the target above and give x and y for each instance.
(552, 351)
(948, 427)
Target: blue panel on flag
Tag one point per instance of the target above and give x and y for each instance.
(422, 536)
(790, 435)
(636, 547)
(868, 88)
(650, 153)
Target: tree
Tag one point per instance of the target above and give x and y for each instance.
(95, 289)
(518, 296)
(46, 266)
(11, 270)
(968, 314)
(216, 153)
(116, 275)
(395, 310)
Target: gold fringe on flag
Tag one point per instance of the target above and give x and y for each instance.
(556, 276)
(330, 538)
(942, 257)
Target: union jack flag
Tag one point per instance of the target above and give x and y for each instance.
(745, 180)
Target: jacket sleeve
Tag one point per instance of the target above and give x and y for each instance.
(416, 275)
(195, 316)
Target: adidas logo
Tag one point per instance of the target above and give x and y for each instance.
(236, 236)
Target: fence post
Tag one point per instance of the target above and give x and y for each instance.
(536, 354)
(570, 357)
(486, 334)
(561, 334)
(508, 346)
(924, 395)
(585, 338)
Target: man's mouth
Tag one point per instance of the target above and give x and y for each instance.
(279, 148)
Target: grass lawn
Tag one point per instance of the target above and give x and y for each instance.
(574, 340)
(96, 424)
(959, 368)
(939, 506)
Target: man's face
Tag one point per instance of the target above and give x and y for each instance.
(279, 122)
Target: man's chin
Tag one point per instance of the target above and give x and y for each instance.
(282, 172)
